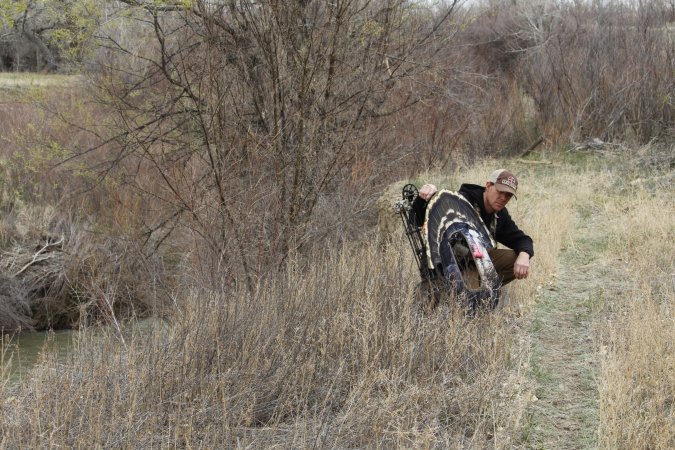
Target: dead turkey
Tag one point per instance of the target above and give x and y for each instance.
(451, 246)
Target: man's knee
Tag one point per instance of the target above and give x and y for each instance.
(503, 259)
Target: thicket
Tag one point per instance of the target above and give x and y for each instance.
(565, 73)
(225, 139)
(70, 253)
(290, 115)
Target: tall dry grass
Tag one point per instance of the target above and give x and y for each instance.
(334, 352)
(331, 354)
(637, 388)
(612, 212)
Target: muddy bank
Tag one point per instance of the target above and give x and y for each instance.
(62, 283)
(15, 312)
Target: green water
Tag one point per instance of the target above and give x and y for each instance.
(20, 352)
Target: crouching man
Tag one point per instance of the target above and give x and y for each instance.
(490, 203)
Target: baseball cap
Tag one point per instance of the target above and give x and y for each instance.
(504, 180)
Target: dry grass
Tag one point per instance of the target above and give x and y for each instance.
(637, 389)
(334, 355)
(14, 80)
(638, 378)
(599, 301)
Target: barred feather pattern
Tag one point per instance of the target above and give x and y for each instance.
(444, 209)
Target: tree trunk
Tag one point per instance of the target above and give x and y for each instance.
(47, 54)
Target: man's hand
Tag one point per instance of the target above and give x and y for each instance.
(522, 266)
(427, 191)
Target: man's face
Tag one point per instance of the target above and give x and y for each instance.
(495, 200)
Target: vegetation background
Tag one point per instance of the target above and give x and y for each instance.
(195, 186)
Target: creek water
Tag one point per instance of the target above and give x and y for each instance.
(20, 352)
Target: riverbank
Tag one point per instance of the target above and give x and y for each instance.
(69, 251)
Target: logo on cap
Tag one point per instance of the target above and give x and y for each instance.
(504, 180)
(510, 182)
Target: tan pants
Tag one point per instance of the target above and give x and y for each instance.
(430, 292)
(503, 259)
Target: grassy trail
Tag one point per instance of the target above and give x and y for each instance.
(564, 365)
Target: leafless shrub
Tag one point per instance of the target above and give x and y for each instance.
(42, 127)
(566, 72)
(475, 106)
(79, 278)
(15, 311)
(249, 115)
(602, 70)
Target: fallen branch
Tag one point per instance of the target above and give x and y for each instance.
(534, 145)
(525, 161)
(37, 257)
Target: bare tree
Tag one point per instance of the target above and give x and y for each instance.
(245, 113)
(57, 29)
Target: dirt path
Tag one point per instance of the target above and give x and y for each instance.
(564, 365)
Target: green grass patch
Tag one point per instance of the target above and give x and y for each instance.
(537, 367)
